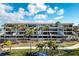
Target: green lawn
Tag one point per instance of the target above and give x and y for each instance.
(23, 52)
(74, 52)
(20, 52)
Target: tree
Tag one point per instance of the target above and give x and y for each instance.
(45, 46)
(7, 43)
(49, 44)
(41, 28)
(58, 23)
(52, 47)
(40, 46)
(45, 27)
(16, 30)
(29, 32)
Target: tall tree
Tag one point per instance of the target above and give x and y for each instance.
(7, 43)
(40, 46)
(30, 32)
(52, 47)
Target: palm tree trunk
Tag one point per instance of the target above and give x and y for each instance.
(30, 46)
(10, 48)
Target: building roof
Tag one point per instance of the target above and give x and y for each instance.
(38, 23)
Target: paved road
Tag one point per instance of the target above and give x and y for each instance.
(70, 47)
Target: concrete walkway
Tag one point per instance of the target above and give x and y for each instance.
(70, 47)
(19, 48)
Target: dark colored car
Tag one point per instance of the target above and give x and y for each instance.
(2, 53)
(39, 54)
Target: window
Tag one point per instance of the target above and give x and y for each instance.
(68, 30)
(7, 36)
(54, 32)
(70, 25)
(52, 29)
(40, 36)
(35, 36)
(53, 36)
(21, 32)
(9, 32)
(68, 33)
(45, 32)
(19, 36)
(44, 36)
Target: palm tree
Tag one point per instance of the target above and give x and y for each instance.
(41, 28)
(52, 47)
(16, 30)
(40, 46)
(39, 31)
(75, 28)
(45, 46)
(29, 32)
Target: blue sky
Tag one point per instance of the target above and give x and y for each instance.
(43, 12)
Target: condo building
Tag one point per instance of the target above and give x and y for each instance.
(57, 31)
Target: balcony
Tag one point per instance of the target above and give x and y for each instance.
(53, 27)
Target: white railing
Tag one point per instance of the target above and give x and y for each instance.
(31, 38)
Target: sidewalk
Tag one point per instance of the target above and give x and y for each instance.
(70, 47)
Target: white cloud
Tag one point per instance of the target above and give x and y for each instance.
(40, 21)
(42, 7)
(35, 8)
(28, 14)
(40, 16)
(50, 11)
(11, 16)
(56, 8)
(59, 17)
(21, 10)
(60, 12)
(5, 7)
(47, 21)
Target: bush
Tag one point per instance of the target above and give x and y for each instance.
(74, 52)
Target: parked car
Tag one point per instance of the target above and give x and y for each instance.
(39, 54)
(2, 53)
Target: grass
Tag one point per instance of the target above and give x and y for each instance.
(24, 52)
(20, 52)
(17, 52)
(74, 52)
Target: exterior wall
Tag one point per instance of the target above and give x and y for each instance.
(56, 31)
